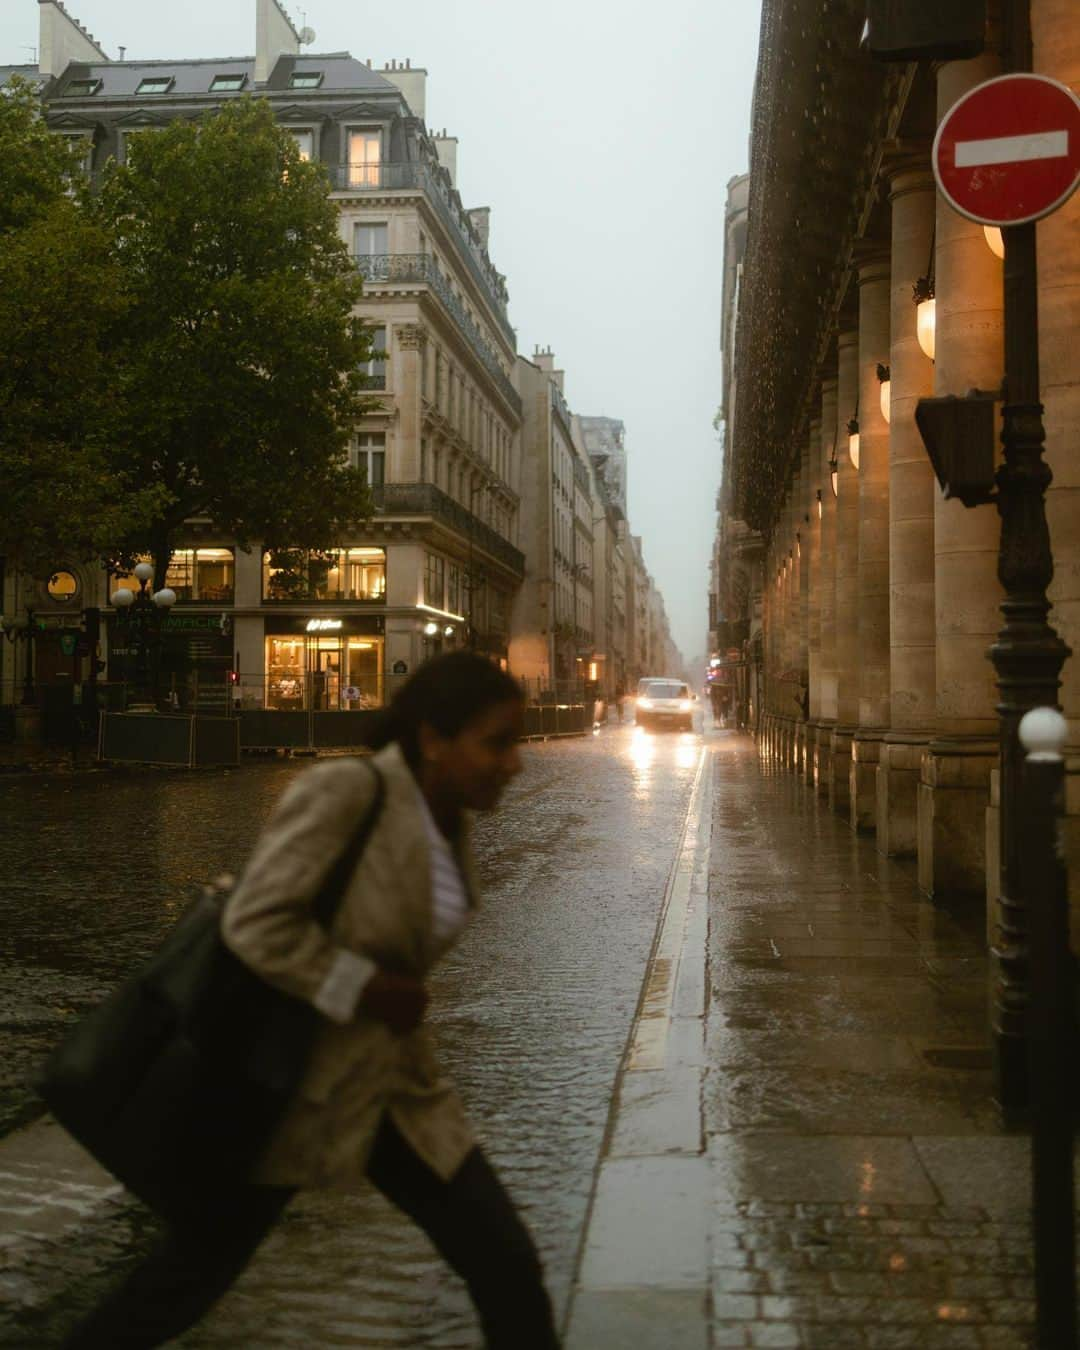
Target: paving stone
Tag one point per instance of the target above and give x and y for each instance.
(646, 1320)
(726, 1280)
(1013, 1310)
(832, 1337)
(776, 1336)
(649, 1225)
(867, 1179)
(1006, 1338)
(736, 1307)
(725, 1334)
(805, 1168)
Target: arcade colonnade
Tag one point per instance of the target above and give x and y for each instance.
(879, 597)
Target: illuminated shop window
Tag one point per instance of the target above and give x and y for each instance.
(339, 673)
(200, 575)
(338, 574)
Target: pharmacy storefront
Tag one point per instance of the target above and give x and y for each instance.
(324, 664)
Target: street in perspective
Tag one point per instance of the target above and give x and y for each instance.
(552, 822)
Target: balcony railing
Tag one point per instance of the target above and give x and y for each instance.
(425, 499)
(390, 268)
(386, 176)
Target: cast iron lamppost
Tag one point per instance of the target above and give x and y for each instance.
(141, 615)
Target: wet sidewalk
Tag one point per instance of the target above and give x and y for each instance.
(811, 1157)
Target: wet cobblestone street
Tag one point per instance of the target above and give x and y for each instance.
(532, 1009)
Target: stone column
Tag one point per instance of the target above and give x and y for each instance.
(912, 488)
(847, 577)
(404, 465)
(803, 554)
(873, 584)
(791, 689)
(825, 584)
(812, 553)
(1056, 35)
(954, 785)
(783, 607)
(771, 600)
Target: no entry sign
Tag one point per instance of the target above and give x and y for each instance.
(1009, 150)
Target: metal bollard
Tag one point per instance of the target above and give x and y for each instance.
(1051, 1027)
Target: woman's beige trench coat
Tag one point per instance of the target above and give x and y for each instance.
(359, 1068)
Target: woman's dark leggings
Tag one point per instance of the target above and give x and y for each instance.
(470, 1219)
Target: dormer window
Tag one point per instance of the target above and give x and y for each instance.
(155, 84)
(305, 79)
(227, 84)
(82, 88)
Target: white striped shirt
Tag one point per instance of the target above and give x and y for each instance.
(349, 973)
(449, 898)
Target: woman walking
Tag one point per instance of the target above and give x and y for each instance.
(373, 1104)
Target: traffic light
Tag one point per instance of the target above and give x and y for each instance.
(912, 30)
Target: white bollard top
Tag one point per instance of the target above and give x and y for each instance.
(1043, 732)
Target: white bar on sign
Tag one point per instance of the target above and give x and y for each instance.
(1012, 149)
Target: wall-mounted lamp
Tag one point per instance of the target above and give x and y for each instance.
(798, 544)
(995, 240)
(853, 440)
(431, 629)
(884, 375)
(925, 315)
(820, 507)
(834, 473)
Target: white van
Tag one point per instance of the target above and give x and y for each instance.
(664, 702)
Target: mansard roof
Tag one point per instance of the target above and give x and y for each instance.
(341, 73)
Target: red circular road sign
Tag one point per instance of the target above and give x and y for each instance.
(1009, 150)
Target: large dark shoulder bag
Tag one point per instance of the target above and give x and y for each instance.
(176, 1082)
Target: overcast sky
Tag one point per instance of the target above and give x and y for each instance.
(602, 134)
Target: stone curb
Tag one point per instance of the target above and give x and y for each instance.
(643, 1272)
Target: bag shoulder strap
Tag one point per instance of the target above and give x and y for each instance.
(332, 891)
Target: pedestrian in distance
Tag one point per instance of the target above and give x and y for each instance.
(373, 1105)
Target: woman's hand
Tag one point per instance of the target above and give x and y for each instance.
(398, 1000)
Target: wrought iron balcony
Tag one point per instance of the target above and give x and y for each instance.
(390, 268)
(425, 499)
(390, 177)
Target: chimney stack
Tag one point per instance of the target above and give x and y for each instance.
(274, 36)
(62, 39)
(481, 223)
(412, 81)
(446, 149)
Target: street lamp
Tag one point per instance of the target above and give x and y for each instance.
(925, 315)
(141, 613)
(995, 241)
(884, 375)
(853, 440)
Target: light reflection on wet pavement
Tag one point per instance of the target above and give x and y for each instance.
(532, 1009)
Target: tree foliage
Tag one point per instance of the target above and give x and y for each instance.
(34, 164)
(180, 343)
(63, 496)
(235, 355)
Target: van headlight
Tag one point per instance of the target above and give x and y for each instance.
(685, 705)
(645, 703)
